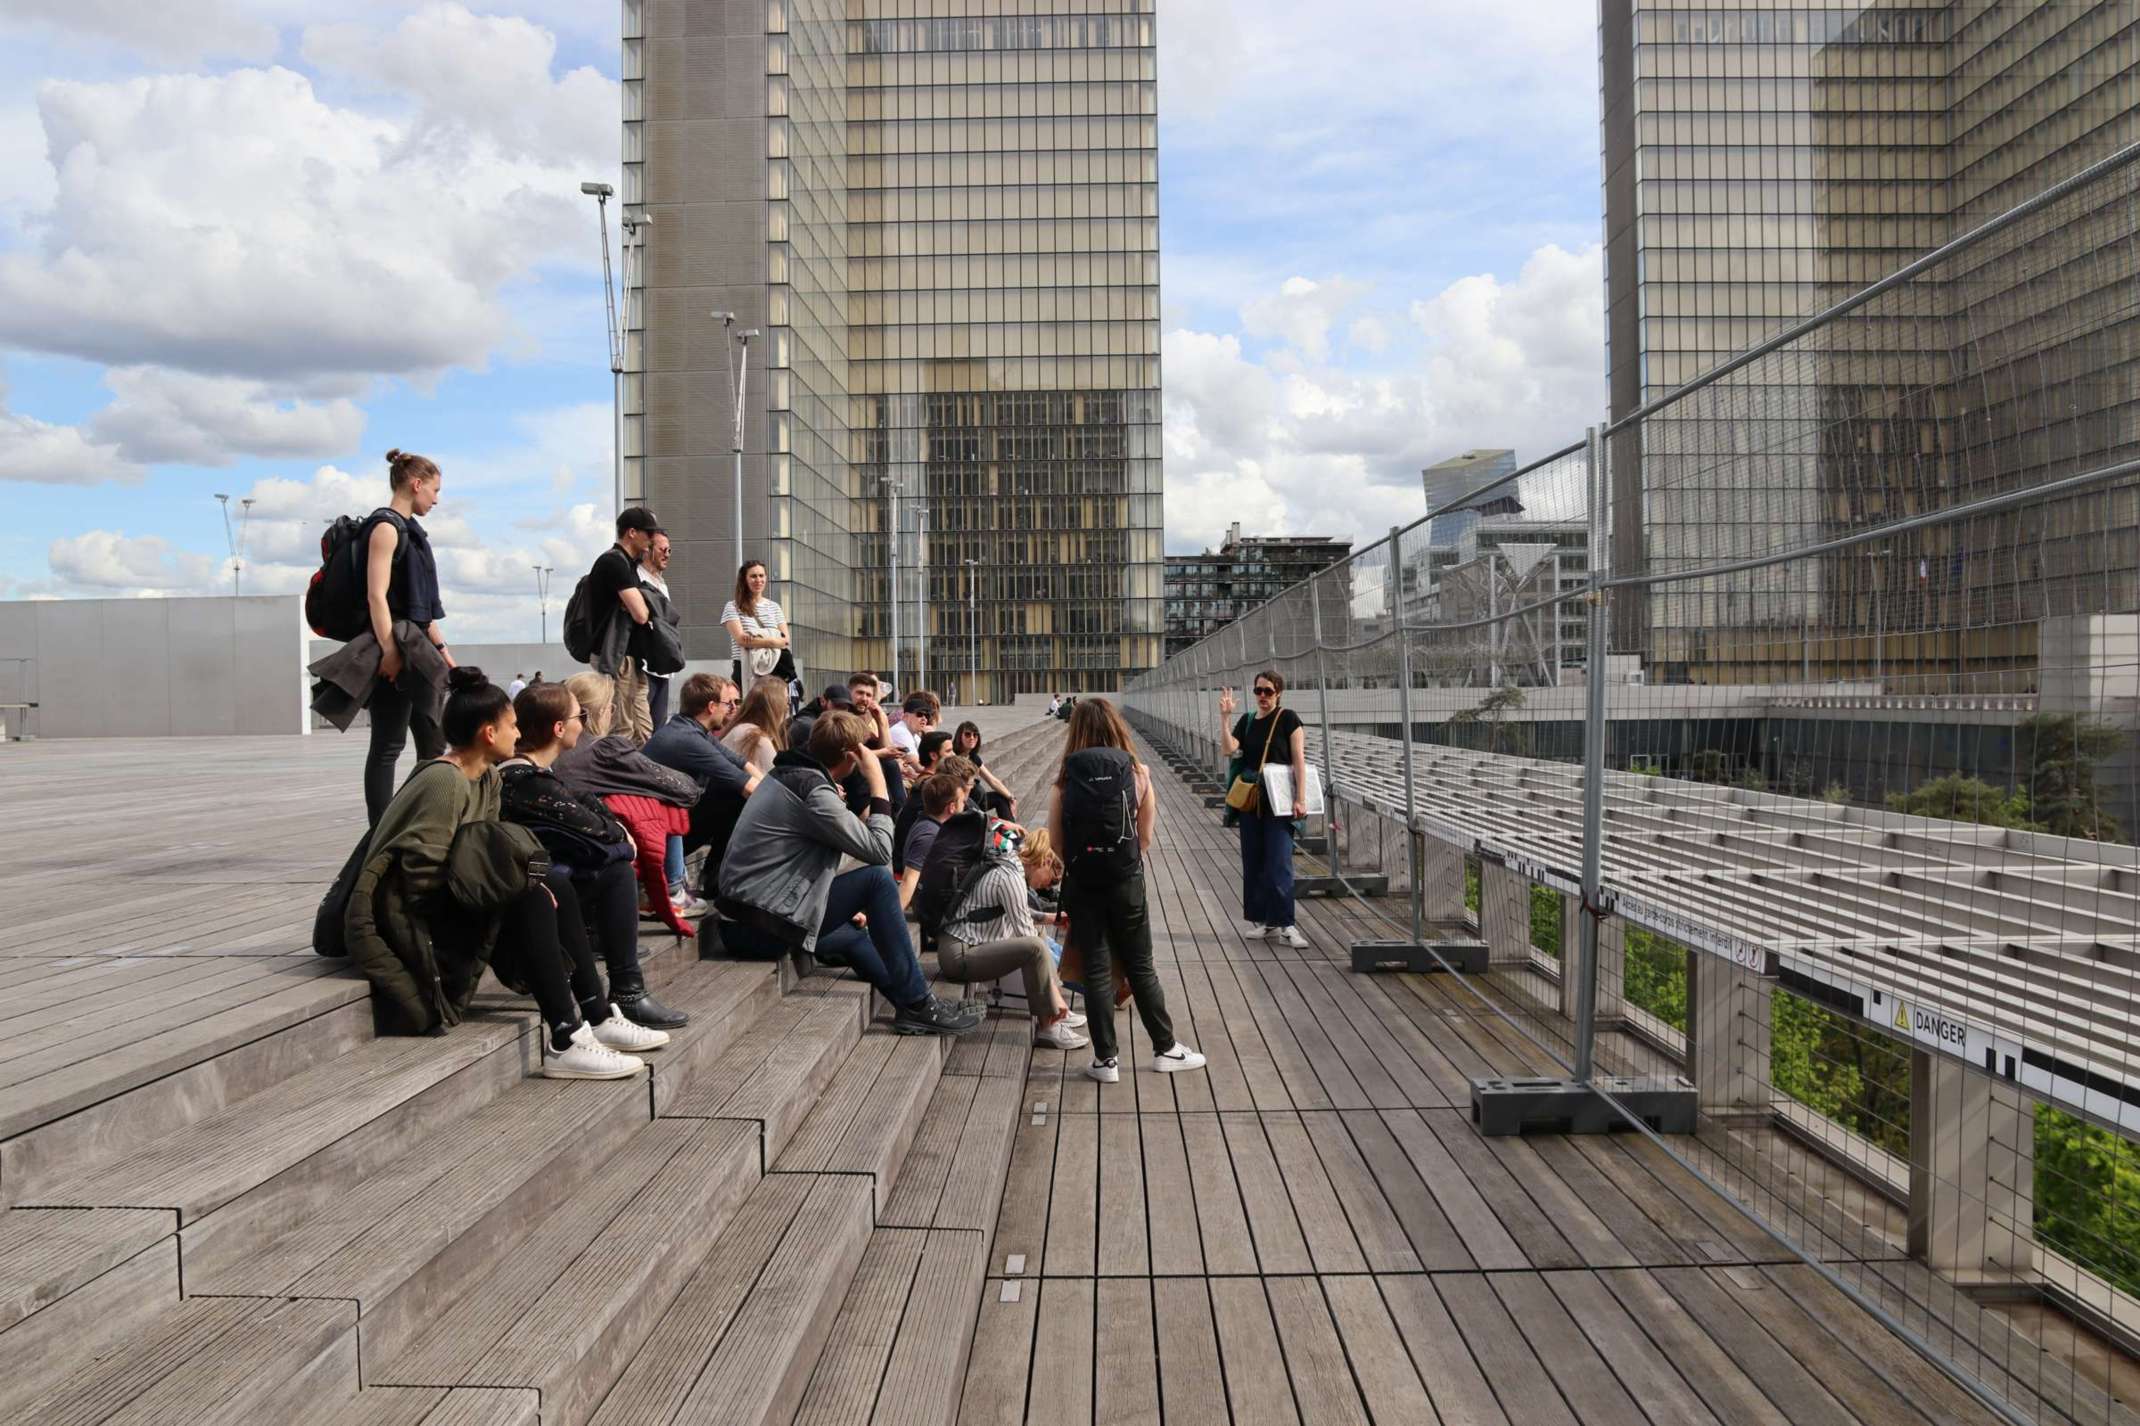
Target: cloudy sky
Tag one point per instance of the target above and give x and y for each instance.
(248, 245)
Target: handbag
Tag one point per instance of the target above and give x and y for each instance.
(763, 661)
(1245, 797)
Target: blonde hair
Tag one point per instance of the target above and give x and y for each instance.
(596, 692)
(1038, 851)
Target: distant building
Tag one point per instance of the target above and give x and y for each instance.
(1206, 592)
(1451, 481)
(1500, 564)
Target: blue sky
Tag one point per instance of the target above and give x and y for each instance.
(248, 245)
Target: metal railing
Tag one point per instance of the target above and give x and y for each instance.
(1780, 736)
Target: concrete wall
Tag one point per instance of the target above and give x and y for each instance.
(136, 668)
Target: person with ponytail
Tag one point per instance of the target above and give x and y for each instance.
(401, 593)
(449, 890)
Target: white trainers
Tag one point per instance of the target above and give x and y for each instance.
(1289, 936)
(588, 1058)
(1075, 1020)
(1180, 1058)
(1105, 1071)
(619, 1033)
(1061, 1036)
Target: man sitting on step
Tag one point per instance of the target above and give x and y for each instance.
(781, 890)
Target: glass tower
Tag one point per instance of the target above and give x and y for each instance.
(947, 228)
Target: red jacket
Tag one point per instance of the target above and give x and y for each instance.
(650, 822)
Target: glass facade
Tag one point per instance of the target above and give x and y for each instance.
(947, 227)
(1761, 165)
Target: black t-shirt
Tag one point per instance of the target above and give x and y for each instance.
(612, 574)
(412, 582)
(1250, 731)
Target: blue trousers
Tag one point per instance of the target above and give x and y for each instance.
(883, 954)
(1267, 870)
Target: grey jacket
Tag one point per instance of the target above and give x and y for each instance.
(787, 847)
(349, 674)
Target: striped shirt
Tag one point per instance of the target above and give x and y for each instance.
(1000, 898)
(767, 621)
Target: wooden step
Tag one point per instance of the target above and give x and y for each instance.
(46, 1253)
(737, 1346)
(565, 1308)
(1001, 1049)
(76, 1282)
(898, 1349)
(365, 1096)
(209, 1360)
(437, 1406)
(955, 1169)
(724, 998)
(869, 1113)
(772, 1073)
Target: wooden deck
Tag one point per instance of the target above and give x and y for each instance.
(212, 1173)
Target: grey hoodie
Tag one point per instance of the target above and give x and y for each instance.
(787, 847)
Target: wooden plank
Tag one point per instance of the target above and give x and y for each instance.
(1699, 1356)
(1192, 1383)
(1125, 1385)
(45, 1254)
(1223, 1237)
(1591, 1389)
(928, 1361)
(1063, 1356)
(1526, 1222)
(1925, 1386)
(1124, 1246)
(1387, 1381)
(843, 1385)
(1648, 1376)
(1314, 1357)
(1280, 1245)
(1376, 1224)
(1002, 1355)
(1257, 1385)
(1454, 1383)
(1498, 1346)
(1073, 1205)
(1171, 1202)
(1451, 1224)
(1022, 1221)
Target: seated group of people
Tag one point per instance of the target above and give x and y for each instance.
(519, 850)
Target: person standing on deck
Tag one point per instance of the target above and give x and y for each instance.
(1272, 735)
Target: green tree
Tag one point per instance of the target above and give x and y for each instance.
(1655, 975)
(1545, 919)
(2062, 750)
(1492, 711)
(2088, 1196)
(1965, 799)
(1836, 1067)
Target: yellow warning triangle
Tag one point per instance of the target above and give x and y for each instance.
(1902, 1017)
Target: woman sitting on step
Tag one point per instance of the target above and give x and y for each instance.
(993, 934)
(448, 889)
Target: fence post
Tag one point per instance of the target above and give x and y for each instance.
(1322, 701)
(1594, 734)
(1413, 871)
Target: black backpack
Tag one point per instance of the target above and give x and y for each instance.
(1100, 814)
(956, 861)
(578, 630)
(335, 603)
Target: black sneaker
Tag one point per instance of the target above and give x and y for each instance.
(931, 1016)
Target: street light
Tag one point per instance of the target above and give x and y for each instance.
(635, 227)
(235, 541)
(542, 596)
(973, 630)
(891, 486)
(739, 378)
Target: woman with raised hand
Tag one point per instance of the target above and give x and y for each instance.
(1271, 736)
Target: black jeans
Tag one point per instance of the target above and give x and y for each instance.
(713, 822)
(657, 698)
(1110, 921)
(545, 947)
(394, 716)
(608, 909)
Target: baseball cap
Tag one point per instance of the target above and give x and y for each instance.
(837, 693)
(638, 517)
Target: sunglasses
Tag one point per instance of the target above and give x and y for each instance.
(1266, 693)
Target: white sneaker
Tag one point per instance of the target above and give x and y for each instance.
(1105, 1071)
(1075, 1020)
(1061, 1036)
(1259, 932)
(1180, 1058)
(1289, 936)
(619, 1033)
(1267, 932)
(588, 1058)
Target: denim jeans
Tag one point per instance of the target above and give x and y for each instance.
(1267, 870)
(882, 955)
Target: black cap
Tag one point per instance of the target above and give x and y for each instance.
(837, 693)
(638, 517)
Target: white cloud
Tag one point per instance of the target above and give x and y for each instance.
(178, 31)
(43, 454)
(1302, 311)
(1291, 443)
(160, 416)
(240, 224)
(1368, 334)
(108, 562)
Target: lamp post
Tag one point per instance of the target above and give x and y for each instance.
(542, 596)
(235, 541)
(921, 597)
(739, 378)
(891, 486)
(973, 630)
(601, 194)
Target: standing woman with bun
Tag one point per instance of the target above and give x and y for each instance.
(1270, 736)
(401, 591)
